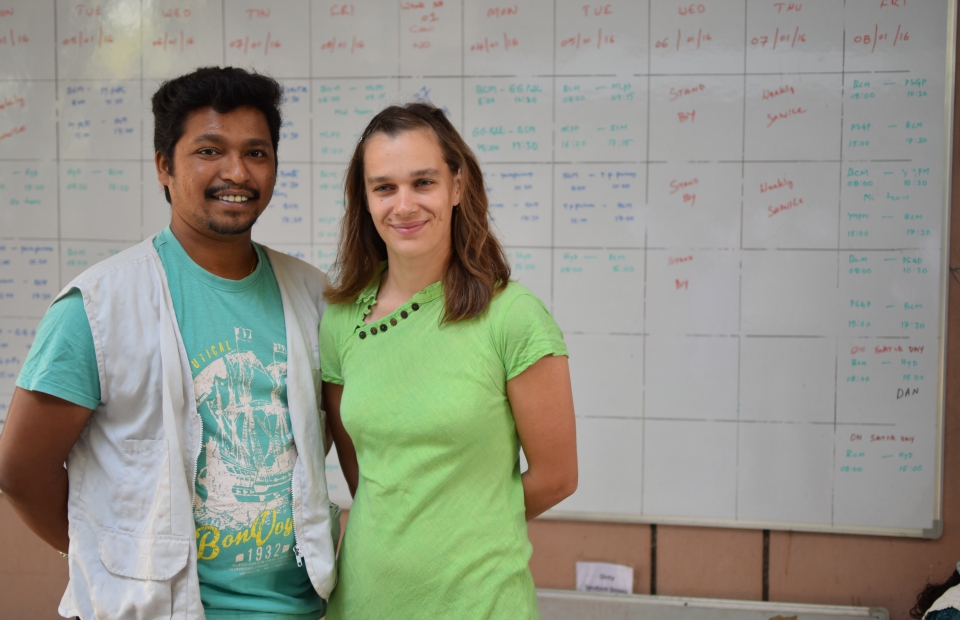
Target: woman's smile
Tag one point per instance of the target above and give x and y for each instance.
(409, 228)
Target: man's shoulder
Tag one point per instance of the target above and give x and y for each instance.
(291, 271)
(292, 264)
(138, 254)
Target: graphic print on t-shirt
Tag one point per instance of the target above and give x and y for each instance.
(243, 500)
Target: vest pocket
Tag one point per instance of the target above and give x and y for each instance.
(142, 568)
(141, 556)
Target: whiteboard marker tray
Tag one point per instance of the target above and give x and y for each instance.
(572, 605)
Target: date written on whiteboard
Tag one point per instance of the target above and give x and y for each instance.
(173, 42)
(11, 38)
(100, 38)
(688, 39)
(783, 39)
(490, 45)
(581, 39)
(247, 46)
(336, 45)
(871, 40)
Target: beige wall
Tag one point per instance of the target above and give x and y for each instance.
(704, 562)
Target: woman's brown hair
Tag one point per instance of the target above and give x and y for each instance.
(478, 268)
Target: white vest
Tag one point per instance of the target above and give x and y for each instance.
(133, 550)
(950, 598)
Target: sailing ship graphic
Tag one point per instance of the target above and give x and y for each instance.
(250, 455)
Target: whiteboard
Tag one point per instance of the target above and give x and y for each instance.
(735, 209)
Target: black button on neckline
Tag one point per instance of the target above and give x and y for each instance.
(383, 328)
(392, 322)
(363, 335)
(373, 330)
(415, 306)
(403, 314)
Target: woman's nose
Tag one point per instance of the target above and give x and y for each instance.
(405, 200)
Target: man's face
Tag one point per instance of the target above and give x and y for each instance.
(223, 171)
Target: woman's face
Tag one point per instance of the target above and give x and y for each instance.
(410, 194)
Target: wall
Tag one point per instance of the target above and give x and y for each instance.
(702, 562)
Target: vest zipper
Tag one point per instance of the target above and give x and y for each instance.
(196, 463)
(298, 554)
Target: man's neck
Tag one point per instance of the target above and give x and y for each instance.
(231, 257)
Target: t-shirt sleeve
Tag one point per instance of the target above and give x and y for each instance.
(528, 333)
(62, 360)
(329, 351)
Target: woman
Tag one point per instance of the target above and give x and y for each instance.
(436, 370)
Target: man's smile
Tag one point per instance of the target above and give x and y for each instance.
(232, 194)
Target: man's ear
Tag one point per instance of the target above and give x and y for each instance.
(163, 168)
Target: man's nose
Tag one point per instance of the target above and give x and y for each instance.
(234, 169)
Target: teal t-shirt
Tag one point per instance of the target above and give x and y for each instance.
(234, 335)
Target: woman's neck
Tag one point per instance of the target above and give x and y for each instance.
(407, 276)
(403, 279)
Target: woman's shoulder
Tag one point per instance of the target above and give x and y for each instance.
(337, 310)
(517, 309)
(515, 297)
(335, 316)
(510, 294)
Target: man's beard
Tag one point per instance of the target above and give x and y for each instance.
(230, 227)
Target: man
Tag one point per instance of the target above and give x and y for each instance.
(178, 380)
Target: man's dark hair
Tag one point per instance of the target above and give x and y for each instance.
(222, 88)
(929, 595)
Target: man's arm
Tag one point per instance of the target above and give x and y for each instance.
(39, 433)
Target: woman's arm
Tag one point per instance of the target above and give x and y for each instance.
(332, 393)
(542, 403)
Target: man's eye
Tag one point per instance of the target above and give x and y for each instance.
(424, 182)
(207, 152)
(258, 153)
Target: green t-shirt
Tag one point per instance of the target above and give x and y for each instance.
(437, 527)
(234, 335)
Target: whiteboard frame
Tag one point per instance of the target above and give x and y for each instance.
(937, 529)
